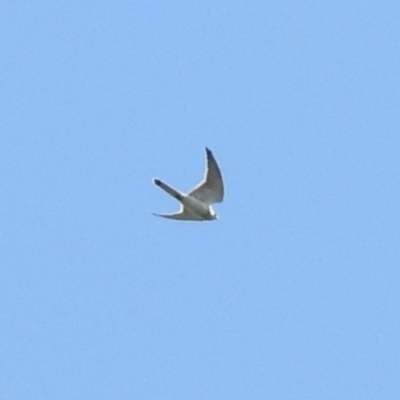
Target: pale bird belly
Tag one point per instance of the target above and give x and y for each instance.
(197, 206)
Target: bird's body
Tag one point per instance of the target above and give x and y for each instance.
(196, 205)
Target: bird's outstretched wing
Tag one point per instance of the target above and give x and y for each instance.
(211, 189)
(182, 215)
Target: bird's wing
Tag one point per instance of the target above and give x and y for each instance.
(211, 189)
(182, 215)
(170, 190)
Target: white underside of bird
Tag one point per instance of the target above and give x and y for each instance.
(197, 204)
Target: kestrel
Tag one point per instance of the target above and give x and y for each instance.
(196, 205)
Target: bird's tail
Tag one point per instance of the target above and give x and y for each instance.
(171, 191)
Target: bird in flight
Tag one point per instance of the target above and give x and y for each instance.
(196, 205)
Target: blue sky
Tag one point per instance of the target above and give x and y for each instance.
(293, 294)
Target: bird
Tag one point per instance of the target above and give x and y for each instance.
(197, 204)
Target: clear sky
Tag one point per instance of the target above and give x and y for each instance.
(294, 293)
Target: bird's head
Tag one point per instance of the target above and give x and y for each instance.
(213, 214)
